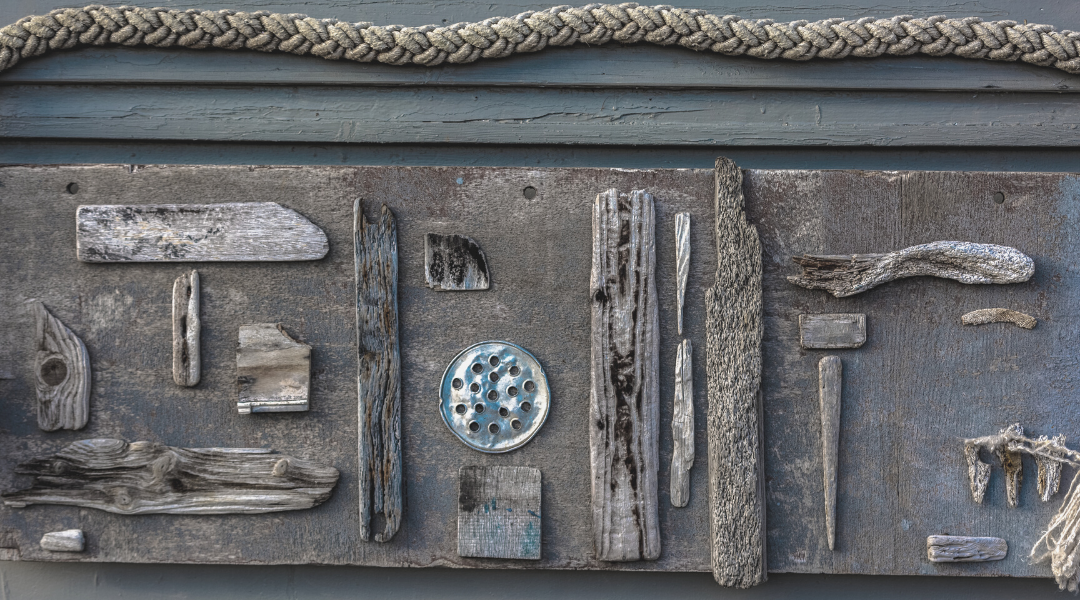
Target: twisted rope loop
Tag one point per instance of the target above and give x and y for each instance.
(531, 31)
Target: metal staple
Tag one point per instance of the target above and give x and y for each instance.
(531, 31)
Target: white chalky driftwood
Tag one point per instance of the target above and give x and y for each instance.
(69, 540)
(682, 425)
(187, 328)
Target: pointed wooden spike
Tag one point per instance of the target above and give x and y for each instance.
(682, 261)
(186, 327)
(1013, 467)
(624, 407)
(978, 472)
(733, 329)
(379, 373)
(682, 425)
(830, 380)
(62, 368)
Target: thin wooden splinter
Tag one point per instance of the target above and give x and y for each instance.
(682, 425)
(186, 329)
(682, 261)
(830, 380)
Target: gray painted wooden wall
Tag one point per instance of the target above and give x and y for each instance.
(597, 107)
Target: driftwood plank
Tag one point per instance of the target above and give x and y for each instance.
(966, 262)
(454, 262)
(186, 329)
(733, 330)
(830, 380)
(499, 512)
(958, 548)
(231, 231)
(682, 425)
(145, 477)
(624, 407)
(682, 261)
(999, 315)
(69, 540)
(62, 368)
(832, 331)
(379, 373)
(273, 371)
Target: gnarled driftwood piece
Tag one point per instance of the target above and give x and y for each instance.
(624, 407)
(145, 477)
(998, 315)
(186, 329)
(682, 425)
(454, 262)
(733, 330)
(966, 262)
(958, 548)
(378, 376)
(62, 374)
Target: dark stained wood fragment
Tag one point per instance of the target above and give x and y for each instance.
(145, 477)
(499, 512)
(733, 330)
(454, 262)
(187, 328)
(624, 407)
(62, 374)
(379, 373)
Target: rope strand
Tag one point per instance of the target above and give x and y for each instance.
(532, 31)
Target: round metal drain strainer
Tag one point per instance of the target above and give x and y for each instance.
(494, 396)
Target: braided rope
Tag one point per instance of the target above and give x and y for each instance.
(531, 31)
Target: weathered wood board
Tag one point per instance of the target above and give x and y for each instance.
(499, 512)
(920, 384)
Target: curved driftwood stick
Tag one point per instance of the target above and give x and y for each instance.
(847, 275)
(998, 315)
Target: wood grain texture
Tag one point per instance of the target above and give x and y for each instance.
(958, 548)
(454, 262)
(62, 368)
(186, 329)
(682, 261)
(998, 315)
(978, 473)
(378, 375)
(624, 400)
(141, 478)
(499, 512)
(69, 540)
(832, 331)
(682, 425)
(1013, 467)
(733, 362)
(273, 371)
(230, 231)
(830, 384)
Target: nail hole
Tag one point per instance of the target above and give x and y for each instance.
(512, 391)
(460, 409)
(529, 386)
(73, 188)
(475, 388)
(526, 407)
(493, 428)
(493, 376)
(479, 408)
(54, 371)
(529, 192)
(493, 395)
(477, 367)
(515, 371)
(494, 360)
(515, 424)
(999, 197)
(503, 412)
(474, 427)
(457, 383)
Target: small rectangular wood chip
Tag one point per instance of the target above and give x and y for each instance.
(832, 330)
(499, 512)
(273, 371)
(958, 548)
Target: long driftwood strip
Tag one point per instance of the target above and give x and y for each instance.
(379, 372)
(830, 380)
(847, 275)
(499, 512)
(231, 231)
(624, 408)
(733, 330)
(958, 548)
(682, 261)
(682, 425)
(832, 331)
(454, 262)
(273, 371)
(145, 477)
(186, 329)
(69, 540)
(999, 315)
(62, 369)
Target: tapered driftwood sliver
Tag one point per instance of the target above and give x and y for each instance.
(733, 330)
(230, 231)
(62, 369)
(379, 372)
(144, 477)
(187, 329)
(624, 406)
(830, 383)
